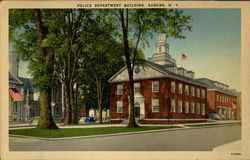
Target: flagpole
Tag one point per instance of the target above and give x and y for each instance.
(182, 65)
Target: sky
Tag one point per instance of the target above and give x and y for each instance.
(212, 47)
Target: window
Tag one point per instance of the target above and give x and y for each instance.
(192, 91)
(15, 107)
(229, 113)
(173, 87)
(119, 90)
(180, 88)
(172, 105)
(192, 107)
(218, 109)
(186, 107)
(160, 49)
(217, 98)
(203, 93)
(220, 98)
(137, 87)
(155, 105)
(224, 111)
(203, 109)
(198, 109)
(198, 92)
(155, 86)
(186, 90)
(180, 106)
(119, 105)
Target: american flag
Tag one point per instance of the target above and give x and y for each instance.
(184, 57)
(15, 94)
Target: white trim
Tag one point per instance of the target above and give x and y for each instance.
(20, 82)
(158, 86)
(165, 75)
(110, 79)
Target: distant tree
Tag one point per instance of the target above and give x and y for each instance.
(137, 25)
(104, 58)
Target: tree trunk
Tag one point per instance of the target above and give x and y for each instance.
(124, 24)
(46, 119)
(99, 99)
(68, 106)
(73, 106)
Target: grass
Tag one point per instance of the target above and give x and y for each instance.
(215, 124)
(73, 132)
(86, 124)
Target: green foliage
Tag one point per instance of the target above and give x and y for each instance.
(103, 59)
(24, 36)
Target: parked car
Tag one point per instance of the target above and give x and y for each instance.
(82, 120)
(86, 120)
(89, 120)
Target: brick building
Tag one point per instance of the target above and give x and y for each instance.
(221, 99)
(164, 93)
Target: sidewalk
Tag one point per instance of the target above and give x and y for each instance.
(233, 146)
(60, 125)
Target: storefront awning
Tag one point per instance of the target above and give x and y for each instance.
(16, 96)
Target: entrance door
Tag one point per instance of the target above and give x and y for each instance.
(137, 110)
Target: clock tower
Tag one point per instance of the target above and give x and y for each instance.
(162, 55)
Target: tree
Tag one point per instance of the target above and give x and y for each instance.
(68, 38)
(136, 25)
(104, 59)
(28, 30)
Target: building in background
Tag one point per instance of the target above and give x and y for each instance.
(164, 93)
(16, 108)
(221, 99)
(24, 97)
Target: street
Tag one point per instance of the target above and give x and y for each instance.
(192, 139)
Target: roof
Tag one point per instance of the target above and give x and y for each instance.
(190, 72)
(14, 79)
(211, 85)
(175, 75)
(168, 65)
(32, 81)
(26, 84)
(166, 73)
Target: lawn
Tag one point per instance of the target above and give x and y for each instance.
(73, 132)
(215, 124)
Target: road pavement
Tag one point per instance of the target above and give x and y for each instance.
(191, 139)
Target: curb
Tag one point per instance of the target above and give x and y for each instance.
(117, 134)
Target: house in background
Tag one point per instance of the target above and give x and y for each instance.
(24, 97)
(16, 108)
(164, 93)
